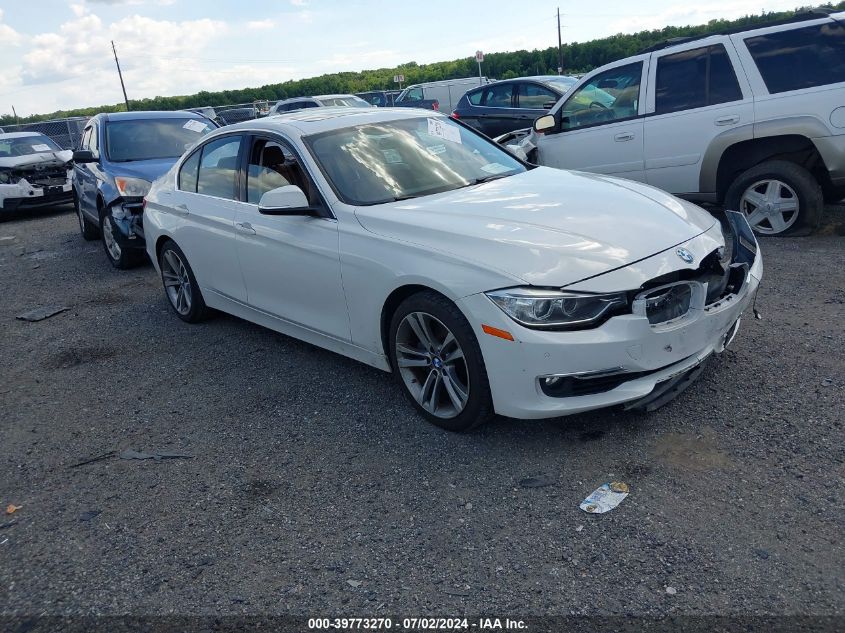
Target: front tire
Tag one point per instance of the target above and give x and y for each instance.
(438, 364)
(777, 198)
(180, 284)
(120, 257)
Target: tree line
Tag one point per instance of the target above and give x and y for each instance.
(578, 57)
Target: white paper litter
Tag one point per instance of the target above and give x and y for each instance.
(605, 498)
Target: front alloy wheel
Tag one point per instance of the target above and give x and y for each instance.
(119, 257)
(437, 362)
(432, 365)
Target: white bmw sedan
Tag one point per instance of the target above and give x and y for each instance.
(407, 241)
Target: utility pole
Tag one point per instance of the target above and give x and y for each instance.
(559, 46)
(120, 74)
(17, 120)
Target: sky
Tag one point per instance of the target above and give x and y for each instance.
(57, 55)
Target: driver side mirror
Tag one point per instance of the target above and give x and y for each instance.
(287, 200)
(545, 123)
(84, 156)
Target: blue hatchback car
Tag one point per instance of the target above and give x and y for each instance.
(118, 158)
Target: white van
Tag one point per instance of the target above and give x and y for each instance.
(447, 93)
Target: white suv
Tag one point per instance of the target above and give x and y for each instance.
(754, 120)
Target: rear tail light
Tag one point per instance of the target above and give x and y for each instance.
(435, 105)
(454, 115)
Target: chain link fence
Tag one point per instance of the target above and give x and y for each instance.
(65, 132)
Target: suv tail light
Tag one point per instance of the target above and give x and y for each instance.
(435, 105)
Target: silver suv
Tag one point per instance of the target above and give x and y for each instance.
(754, 120)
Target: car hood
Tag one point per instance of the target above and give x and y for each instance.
(146, 169)
(547, 227)
(43, 159)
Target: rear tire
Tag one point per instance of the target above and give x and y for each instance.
(180, 285)
(777, 198)
(438, 364)
(88, 229)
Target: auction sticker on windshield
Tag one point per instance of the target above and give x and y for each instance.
(41, 147)
(195, 126)
(446, 132)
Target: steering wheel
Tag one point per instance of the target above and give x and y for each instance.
(597, 105)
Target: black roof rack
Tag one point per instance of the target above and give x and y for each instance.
(812, 14)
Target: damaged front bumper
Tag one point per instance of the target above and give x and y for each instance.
(128, 218)
(41, 192)
(630, 359)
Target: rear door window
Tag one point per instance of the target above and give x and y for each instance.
(800, 58)
(474, 97)
(535, 97)
(694, 79)
(218, 168)
(498, 96)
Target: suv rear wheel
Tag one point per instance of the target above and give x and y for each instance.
(777, 198)
(87, 228)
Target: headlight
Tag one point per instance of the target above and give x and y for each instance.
(5, 176)
(132, 187)
(556, 309)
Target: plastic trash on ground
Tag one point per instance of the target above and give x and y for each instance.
(605, 497)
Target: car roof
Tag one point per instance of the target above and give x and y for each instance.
(150, 114)
(20, 135)
(818, 13)
(543, 79)
(317, 120)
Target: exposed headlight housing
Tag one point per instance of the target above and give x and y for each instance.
(132, 187)
(556, 309)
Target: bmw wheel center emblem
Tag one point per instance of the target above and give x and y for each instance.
(685, 255)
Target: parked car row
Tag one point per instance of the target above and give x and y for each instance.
(753, 120)
(409, 241)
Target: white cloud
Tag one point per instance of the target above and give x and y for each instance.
(260, 25)
(299, 3)
(155, 56)
(8, 35)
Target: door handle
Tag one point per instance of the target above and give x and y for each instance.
(245, 227)
(728, 120)
(624, 136)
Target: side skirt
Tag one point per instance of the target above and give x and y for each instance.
(248, 313)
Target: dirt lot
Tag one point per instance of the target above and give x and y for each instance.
(314, 489)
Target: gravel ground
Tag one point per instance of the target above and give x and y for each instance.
(314, 489)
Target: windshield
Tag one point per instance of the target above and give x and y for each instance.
(145, 139)
(396, 160)
(345, 102)
(26, 145)
(564, 83)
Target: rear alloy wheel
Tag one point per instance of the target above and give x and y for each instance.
(119, 256)
(438, 362)
(180, 285)
(777, 198)
(87, 228)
